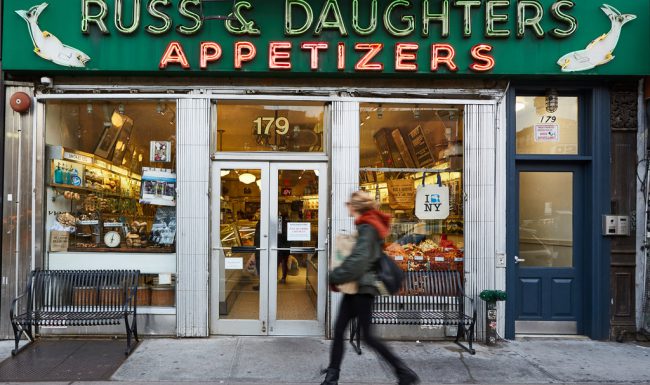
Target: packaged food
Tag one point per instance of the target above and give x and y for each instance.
(418, 263)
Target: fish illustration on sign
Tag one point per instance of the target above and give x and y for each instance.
(599, 51)
(48, 46)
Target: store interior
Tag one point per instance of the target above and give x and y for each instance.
(296, 273)
(403, 147)
(110, 189)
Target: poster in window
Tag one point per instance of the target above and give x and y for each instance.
(158, 187)
(163, 230)
(401, 194)
(160, 151)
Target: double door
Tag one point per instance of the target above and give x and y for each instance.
(268, 263)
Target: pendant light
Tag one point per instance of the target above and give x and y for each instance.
(247, 178)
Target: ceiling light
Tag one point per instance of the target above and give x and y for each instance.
(317, 172)
(225, 172)
(120, 108)
(89, 108)
(247, 178)
(380, 112)
(416, 112)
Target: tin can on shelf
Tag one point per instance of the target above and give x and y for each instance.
(84, 296)
(111, 296)
(143, 298)
(162, 295)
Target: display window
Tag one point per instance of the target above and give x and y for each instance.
(270, 126)
(411, 159)
(110, 185)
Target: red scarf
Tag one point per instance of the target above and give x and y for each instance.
(376, 219)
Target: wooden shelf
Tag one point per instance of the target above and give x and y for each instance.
(89, 190)
(121, 249)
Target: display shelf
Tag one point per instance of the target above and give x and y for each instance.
(160, 250)
(89, 190)
(147, 263)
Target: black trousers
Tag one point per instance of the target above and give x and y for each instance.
(360, 306)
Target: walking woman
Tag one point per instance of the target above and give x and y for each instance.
(360, 266)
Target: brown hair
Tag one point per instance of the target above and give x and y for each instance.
(361, 201)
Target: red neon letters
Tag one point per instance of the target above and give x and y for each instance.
(367, 57)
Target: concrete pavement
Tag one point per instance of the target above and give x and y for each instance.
(291, 360)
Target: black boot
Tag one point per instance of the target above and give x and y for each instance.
(406, 376)
(331, 376)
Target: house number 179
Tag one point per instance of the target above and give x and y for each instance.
(264, 125)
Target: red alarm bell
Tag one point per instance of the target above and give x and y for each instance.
(20, 102)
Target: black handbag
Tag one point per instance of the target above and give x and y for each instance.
(389, 273)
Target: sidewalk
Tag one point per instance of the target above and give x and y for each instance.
(296, 360)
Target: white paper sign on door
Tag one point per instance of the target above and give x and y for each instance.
(547, 132)
(432, 202)
(234, 263)
(298, 231)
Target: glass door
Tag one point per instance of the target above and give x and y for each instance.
(298, 220)
(239, 294)
(269, 231)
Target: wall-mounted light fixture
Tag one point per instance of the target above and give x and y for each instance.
(551, 100)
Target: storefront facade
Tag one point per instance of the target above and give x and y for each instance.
(216, 156)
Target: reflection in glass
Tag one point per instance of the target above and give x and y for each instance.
(541, 131)
(411, 136)
(270, 126)
(239, 296)
(546, 219)
(297, 272)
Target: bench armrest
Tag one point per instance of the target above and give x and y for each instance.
(13, 310)
(130, 299)
(471, 301)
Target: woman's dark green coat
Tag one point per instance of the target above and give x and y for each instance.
(360, 265)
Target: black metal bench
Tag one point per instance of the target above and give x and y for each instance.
(429, 298)
(76, 298)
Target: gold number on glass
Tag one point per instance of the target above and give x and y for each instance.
(281, 124)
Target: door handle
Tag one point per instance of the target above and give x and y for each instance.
(240, 249)
(518, 260)
(298, 250)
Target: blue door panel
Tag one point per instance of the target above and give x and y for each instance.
(530, 305)
(561, 297)
(550, 293)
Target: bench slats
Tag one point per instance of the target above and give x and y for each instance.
(76, 298)
(426, 298)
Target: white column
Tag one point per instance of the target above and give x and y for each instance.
(192, 249)
(345, 175)
(480, 205)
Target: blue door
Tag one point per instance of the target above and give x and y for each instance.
(549, 250)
